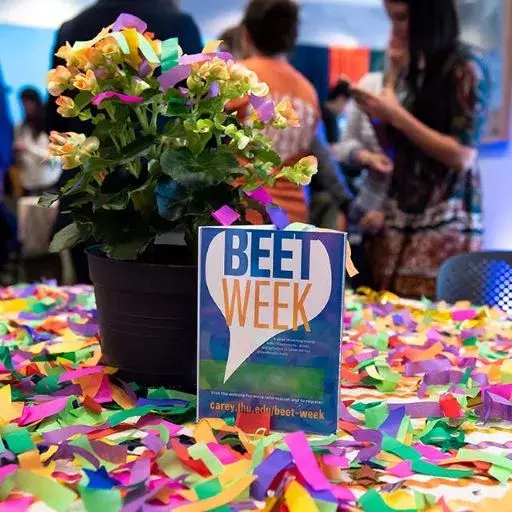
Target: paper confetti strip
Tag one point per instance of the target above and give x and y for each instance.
(424, 420)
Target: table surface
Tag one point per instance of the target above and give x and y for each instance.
(425, 394)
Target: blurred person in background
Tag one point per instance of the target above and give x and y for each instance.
(269, 33)
(232, 42)
(8, 225)
(333, 109)
(164, 19)
(433, 114)
(38, 174)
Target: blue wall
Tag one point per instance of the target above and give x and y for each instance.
(24, 60)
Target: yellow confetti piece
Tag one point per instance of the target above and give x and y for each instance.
(203, 433)
(400, 499)
(121, 398)
(13, 305)
(228, 495)
(67, 346)
(233, 471)
(9, 411)
(506, 371)
(212, 46)
(298, 499)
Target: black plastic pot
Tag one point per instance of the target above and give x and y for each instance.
(148, 318)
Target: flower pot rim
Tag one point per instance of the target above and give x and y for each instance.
(94, 251)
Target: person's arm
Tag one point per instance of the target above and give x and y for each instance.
(372, 194)
(457, 150)
(38, 147)
(352, 139)
(444, 148)
(328, 175)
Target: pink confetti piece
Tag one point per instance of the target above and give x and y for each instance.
(80, 372)
(7, 470)
(402, 470)
(40, 412)
(104, 394)
(261, 195)
(225, 215)
(123, 98)
(306, 462)
(464, 314)
(338, 461)
(222, 453)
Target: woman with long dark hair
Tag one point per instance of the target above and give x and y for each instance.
(31, 146)
(432, 113)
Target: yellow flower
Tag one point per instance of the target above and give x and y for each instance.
(85, 82)
(214, 70)
(57, 80)
(72, 148)
(77, 55)
(67, 107)
(110, 50)
(260, 89)
(284, 111)
(302, 172)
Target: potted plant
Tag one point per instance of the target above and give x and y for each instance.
(166, 153)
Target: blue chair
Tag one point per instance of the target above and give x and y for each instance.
(484, 278)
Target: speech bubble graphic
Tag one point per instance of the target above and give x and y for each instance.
(263, 308)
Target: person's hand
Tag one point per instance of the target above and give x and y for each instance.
(372, 222)
(384, 107)
(377, 162)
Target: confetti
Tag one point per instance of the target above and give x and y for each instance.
(424, 419)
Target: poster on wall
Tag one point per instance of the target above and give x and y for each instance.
(269, 328)
(487, 25)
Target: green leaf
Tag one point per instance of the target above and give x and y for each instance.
(209, 168)
(82, 99)
(76, 185)
(85, 115)
(66, 238)
(47, 199)
(268, 156)
(129, 250)
(136, 149)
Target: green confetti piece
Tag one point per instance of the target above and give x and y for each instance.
(48, 385)
(362, 406)
(425, 468)
(500, 473)
(147, 50)
(470, 342)
(46, 489)
(7, 486)
(123, 44)
(479, 455)
(19, 441)
(405, 429)
(200, 451)
(209, 489)
(101, 499)
(170, 464)
(399, 449)
(375, 416)
(119, 417)
(325, 506)
(170, 54)
(372, 501)
(486, 352)
(379, 341)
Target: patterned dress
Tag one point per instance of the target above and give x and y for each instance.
(433, 212)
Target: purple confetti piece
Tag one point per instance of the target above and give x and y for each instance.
(145, 68)
(368, 436)
(196, 58)
(267, 471)
(214, 90)
(116, 454)
(63, 434)
(174, 76)
(89, 330)
(126, 20)
(278, 217)
(265, 108)
(141, 470)
(393, 421)
(225, 215)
